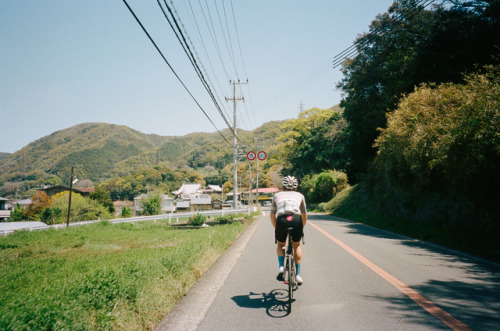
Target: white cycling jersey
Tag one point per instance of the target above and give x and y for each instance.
(288, 202)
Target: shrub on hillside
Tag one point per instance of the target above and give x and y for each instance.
(446, 137)
(323, 187)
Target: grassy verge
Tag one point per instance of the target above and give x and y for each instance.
(103, 276)
(466, 237)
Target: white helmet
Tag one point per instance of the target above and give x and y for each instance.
(290, 182)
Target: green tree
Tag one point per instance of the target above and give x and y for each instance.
(17, 214)
(51, 215)
(324, 186)
(104, 198)
(404, 48)
(151, 205)
(446, 137)
(82, 208)
(312, 142)
(126, 212)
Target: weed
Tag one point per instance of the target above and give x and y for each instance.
(198, 220)
(102, 276)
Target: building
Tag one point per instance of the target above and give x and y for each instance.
(188, 189)
(52, 190)
(265, 195)
(212, 189)
(4, 213)
(22, 203)
(200, 202)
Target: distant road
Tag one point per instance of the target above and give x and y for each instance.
(357, 278)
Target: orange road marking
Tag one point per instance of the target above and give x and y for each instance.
(430, 307)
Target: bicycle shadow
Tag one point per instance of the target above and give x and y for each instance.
(275, 302)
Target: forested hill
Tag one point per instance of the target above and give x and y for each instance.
(97, 151)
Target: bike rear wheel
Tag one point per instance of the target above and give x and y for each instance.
(291, 280)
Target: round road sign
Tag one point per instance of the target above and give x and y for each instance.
(251, 155)
(262, 155)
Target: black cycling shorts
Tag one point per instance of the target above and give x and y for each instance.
(285, 221)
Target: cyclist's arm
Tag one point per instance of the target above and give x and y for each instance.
(273, 212)
(273, 220)
(303, 212)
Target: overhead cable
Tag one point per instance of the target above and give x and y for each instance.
(182, 40)
(172, 69)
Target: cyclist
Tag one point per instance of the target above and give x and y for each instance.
(288, 209)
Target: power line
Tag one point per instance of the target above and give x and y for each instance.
(338, 59)
(172, 69)
(230, 45)
(182, 40)
(206, 53)
(367, 38)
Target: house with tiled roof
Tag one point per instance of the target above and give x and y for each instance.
(188, 189)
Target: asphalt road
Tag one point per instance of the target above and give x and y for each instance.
(355, 278)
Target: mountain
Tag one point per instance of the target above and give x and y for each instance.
(4, 155)
(93, 148)
(98, 151)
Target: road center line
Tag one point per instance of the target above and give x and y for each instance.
(430, 307)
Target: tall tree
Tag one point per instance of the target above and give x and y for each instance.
(407, 46)
(312, 142)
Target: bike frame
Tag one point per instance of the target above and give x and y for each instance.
(289, 270)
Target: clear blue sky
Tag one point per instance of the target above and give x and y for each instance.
(65, 62)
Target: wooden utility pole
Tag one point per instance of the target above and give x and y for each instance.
(70, 190)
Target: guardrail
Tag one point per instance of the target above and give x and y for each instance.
(170, 216)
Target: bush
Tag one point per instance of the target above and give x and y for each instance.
(126, 212)
(82, 208)
(17, 214)
(197, 220)
(324, 186)
(225, 219)
(51, 215)
(151, 205)
(446, 137)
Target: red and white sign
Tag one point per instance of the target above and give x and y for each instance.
(251, 155)
(262, 155)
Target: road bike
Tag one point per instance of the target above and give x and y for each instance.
(289, 269)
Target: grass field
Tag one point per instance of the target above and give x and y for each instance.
(103, 276)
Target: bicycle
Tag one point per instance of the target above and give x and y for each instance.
(289, 271)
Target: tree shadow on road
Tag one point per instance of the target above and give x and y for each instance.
(476, 305)
(275, 302)
(473, 297)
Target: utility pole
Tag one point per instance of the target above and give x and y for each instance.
(70, 191)
(235, 142)
(257, 175)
